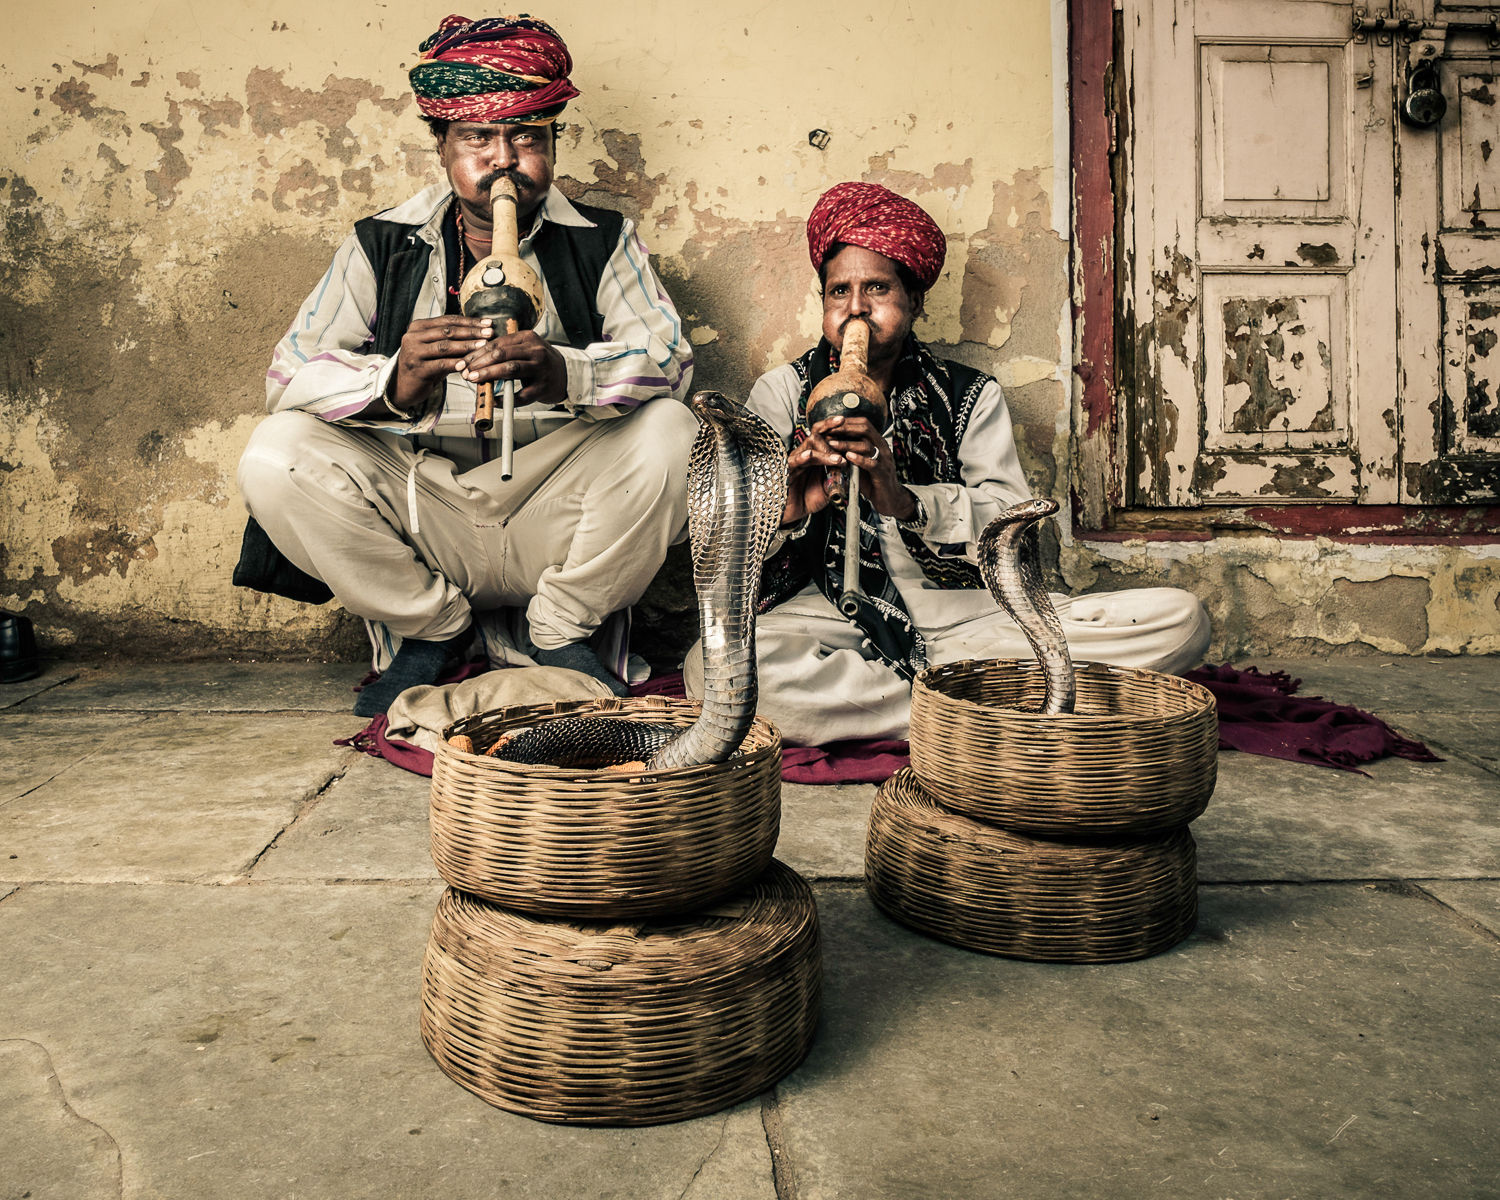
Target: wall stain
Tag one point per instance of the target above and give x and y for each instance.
(318, 193)
(275, 108)
(173, 170)
(85, 352)
(626, 182)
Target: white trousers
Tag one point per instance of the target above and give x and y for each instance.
(821, 682)
(404, 537)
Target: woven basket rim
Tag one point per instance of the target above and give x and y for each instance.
(1205, 701)
(763, 738)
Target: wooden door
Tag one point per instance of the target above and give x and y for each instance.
(1287, 345)
(1449, 210)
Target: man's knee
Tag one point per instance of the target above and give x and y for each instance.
(1187, 620)
(286, 452)
(666, 429)
(646, 458)
(270, 456)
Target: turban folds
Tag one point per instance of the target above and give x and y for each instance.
(868, 215)
(500, 70)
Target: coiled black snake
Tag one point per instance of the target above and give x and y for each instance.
(1009, 566)
(736, 494)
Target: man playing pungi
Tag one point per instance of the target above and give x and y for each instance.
(369, 476)
(931, 481)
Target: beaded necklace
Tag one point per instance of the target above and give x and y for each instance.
(463, 244)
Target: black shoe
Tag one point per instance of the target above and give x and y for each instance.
(19, 659)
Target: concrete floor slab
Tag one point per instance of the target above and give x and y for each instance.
(1382, 685)
(45, 1142)
(37, 748)
(182, 797)
(209, 687)
(370, 823)
(1475, 736)
(823, 829)
(1270, 819)
(262, 1041)
(1477, 899)
(52, 675)
(1306, 1042)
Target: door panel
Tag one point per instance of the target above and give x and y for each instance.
(1312, 285)
(1263, 197)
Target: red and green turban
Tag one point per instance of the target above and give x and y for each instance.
(868, 215)
(500, 70)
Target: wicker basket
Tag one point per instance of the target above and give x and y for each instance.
(1003, 893)
(1140, 752)
(595, 843)
(601, 1024)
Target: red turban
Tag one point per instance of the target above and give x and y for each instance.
(501, 70)
(868, 215)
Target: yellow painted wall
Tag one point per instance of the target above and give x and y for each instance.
(175, 175)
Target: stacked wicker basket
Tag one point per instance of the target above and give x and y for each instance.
(615, 947)
(1059, 838)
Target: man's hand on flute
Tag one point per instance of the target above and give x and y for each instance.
(431, 349)
(857, 441)
(524, 357)
(838, 442)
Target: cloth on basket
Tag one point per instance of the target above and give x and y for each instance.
(408, 735)
(1260, 714)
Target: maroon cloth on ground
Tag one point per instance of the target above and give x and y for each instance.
(1259, 714)
(372, 740)
(844, 762)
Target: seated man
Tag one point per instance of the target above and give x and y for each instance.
(930, 483)
(369, 475)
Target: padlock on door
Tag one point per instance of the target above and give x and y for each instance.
(1424, 104)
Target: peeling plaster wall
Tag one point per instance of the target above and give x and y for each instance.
(175, 176)
(1270, 595)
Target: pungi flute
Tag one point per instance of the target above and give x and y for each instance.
(849, 392)
(502, 287)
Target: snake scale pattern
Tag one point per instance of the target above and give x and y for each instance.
(1008, 562)
(736, 493)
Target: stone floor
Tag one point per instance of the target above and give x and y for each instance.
(212, 920)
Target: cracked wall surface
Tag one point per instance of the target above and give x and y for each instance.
(1302, 596)
(174, 179)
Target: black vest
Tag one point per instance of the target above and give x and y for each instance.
(572, 259)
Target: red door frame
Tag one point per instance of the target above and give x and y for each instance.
(1100, 502)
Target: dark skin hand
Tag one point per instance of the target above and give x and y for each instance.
(434, 347)
(835, 442)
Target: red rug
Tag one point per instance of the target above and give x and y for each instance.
(1258, 714)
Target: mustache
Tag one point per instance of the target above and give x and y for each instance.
(870, 321)
(518, 177)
